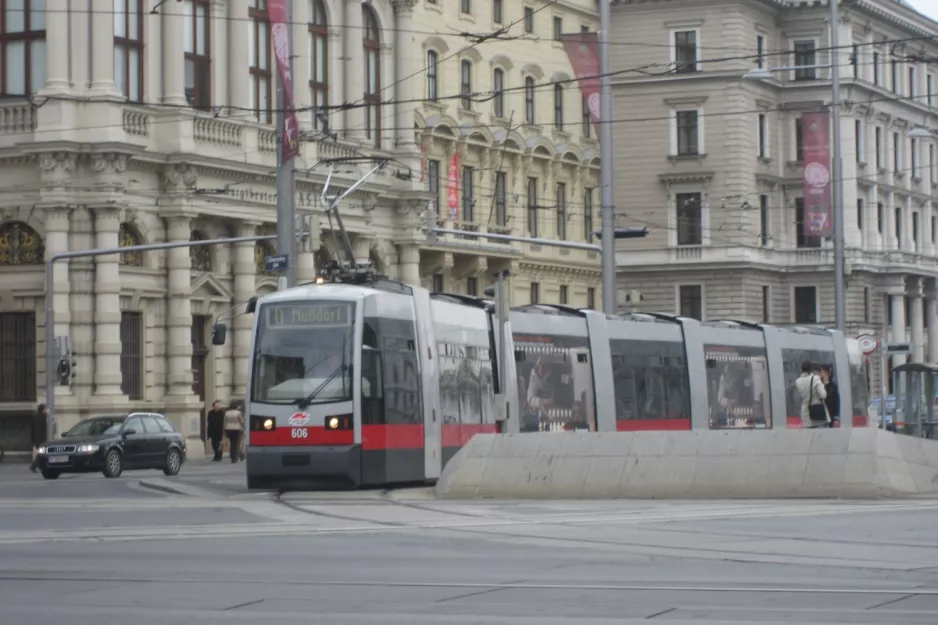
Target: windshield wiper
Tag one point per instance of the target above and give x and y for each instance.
(306, 401)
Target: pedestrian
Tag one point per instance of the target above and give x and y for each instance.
(215, 428)
(811, 388)
(832, 401)
(234, 430)
(38, 434)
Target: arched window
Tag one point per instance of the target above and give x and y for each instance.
(432, 78)
(20, 245)
(529, 100)
(318, 56)
(558, 107)
(372, 76)
(200, 255)
(498, 86)
(128, 238)
(465, 84)
(261, 252)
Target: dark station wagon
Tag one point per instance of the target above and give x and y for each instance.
(112, 444)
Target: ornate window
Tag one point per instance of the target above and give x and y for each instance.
(259, 50)
(128, 48)
(129, 238)
(372, 76)
(318, 56)
(198, 59)
(200, 255)
(261, 252)
(20, 245)
(22, 47)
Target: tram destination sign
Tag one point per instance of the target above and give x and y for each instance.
(308, 315)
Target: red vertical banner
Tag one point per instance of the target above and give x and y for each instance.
(454, 187)
(279, 25)
(583, 51)
(818, 212)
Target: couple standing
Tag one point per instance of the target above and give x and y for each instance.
(820, 397)
(229, 423)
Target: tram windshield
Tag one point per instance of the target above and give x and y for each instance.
(303, 352)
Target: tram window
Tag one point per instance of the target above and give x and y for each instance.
(650, 380)
(738, 386)
(555, 386)
(859, 389)
(791, 364)
(390, 368)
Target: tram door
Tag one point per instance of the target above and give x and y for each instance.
(428, 357)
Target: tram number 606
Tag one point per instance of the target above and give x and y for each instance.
(299, 433)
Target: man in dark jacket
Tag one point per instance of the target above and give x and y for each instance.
(832, 401)
(215, 428)
(38, 434)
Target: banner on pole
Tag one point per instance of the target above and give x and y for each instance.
(583, 51)
(279, 35)
(454, 187)
(818, 211)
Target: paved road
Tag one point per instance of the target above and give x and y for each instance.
(86, 550)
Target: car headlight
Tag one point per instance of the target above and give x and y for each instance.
(42, 451)
(87, 449)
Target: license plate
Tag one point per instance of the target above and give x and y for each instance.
(58, 459)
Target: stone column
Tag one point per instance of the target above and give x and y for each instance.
(245, 277)
(102, 47)
(182, 405)
(57, 53)
(81, 303)
(897, 329)
(238, 53)
(56, 242)
(174, 79)
(931, 315)
(408, 76)
(354, 77)
(916, 321)
(107, 313)
(306, 252)
(362, 247)
(410, 264)
(80, 53)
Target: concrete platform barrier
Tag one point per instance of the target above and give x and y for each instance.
(857, 463)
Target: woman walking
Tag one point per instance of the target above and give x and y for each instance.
(234, 430)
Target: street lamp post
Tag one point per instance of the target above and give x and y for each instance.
(837, 178)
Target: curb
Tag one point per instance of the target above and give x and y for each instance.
(17, 457)
(175, 488)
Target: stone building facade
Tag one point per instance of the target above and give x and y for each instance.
(506, 150)
(711, 162)
(145, 127)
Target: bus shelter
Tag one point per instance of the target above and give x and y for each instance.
(916, 390)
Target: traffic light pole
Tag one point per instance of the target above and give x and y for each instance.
(50, 304)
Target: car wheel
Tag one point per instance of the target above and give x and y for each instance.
(173, 462)
(50, 475)
(113, 464)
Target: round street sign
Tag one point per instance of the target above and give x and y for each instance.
(868, 343)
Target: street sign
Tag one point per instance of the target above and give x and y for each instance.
(276, 263)
(868, 344)
(899, 348)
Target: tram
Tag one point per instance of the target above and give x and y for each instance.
(376, 383)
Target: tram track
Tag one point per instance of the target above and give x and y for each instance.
(216, 580)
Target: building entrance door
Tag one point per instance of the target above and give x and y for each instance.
(199, 359)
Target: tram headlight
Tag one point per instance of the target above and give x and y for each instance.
(268, 424)
(338, 422)
(261, 423)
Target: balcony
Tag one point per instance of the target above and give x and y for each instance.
(796, 259)
(184, 131)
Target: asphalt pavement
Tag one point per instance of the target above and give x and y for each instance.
(199, 548)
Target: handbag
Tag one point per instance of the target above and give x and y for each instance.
(817, 412)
